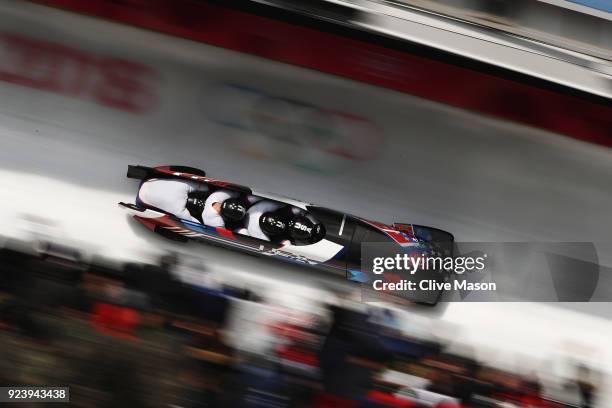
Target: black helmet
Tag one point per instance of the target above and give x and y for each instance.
(303, 230)
(272, 224)
(195, 206)
(233, 210)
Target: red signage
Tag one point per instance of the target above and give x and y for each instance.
(47, 66)
(557, 111)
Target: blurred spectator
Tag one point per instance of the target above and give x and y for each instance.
(133, 335)
(586, 386)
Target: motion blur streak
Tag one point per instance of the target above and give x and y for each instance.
(581, 110)
(134, 335)
(63, 153)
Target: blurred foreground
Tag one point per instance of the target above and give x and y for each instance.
(134, 335)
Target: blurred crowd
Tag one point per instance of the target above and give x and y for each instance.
(135, 335)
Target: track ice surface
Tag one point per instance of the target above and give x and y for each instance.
(480, 178)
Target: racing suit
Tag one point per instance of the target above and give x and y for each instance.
(210, 216)
(254, 214)
(170, 195)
